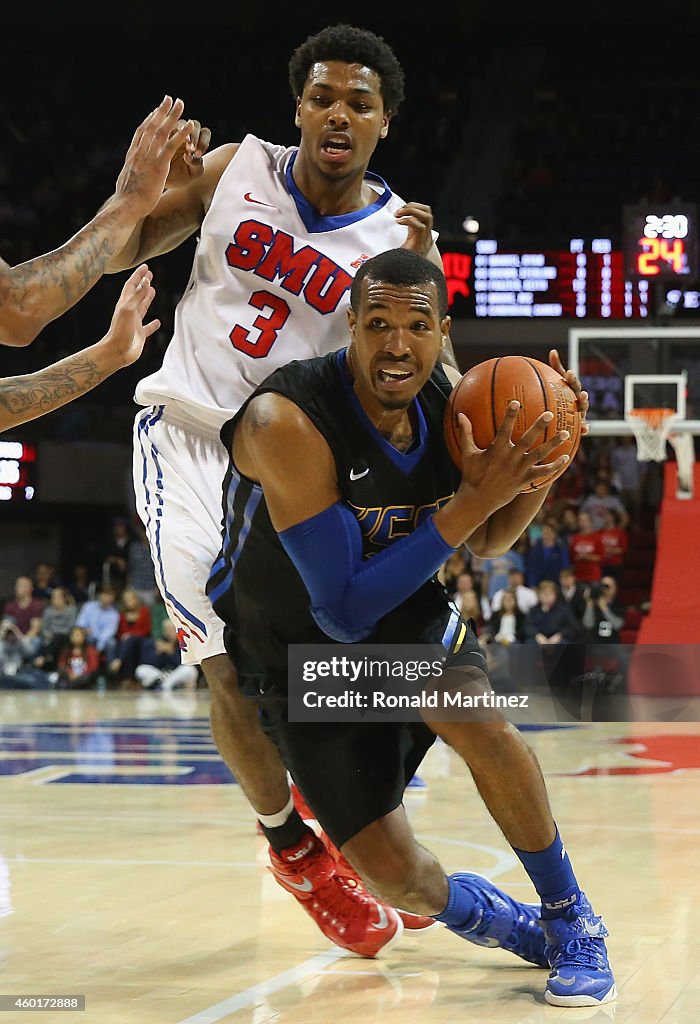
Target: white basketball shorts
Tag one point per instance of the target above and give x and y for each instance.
(178, 479)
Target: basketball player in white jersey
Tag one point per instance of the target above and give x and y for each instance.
(281, 233)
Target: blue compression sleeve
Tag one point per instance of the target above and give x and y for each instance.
(349, 594)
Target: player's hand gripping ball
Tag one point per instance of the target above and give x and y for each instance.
(483, 395)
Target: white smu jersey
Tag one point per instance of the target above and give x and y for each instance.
(270, 283)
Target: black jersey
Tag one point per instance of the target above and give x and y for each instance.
(254, 586)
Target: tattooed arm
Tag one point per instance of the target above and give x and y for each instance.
(40, 290)
(178, 213)
(34, 394)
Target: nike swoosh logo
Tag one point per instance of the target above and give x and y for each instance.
(564, 981)
(305, 886)
(358, 476)
(249, 199)
(383, 919)
(593, 930)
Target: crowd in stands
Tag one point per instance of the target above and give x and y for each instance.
(113, 632)
(560, 582)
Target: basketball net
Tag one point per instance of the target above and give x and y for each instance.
(651, 428)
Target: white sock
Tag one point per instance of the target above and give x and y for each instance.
(275, 820)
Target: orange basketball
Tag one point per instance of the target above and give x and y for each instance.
(483, 395)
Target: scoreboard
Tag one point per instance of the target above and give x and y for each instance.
(17, 471)
(582, 280)
(660, 241)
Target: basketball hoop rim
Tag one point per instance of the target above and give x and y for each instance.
(654, 417)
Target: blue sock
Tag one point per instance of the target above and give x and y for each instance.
(460, 905)
(552, 876)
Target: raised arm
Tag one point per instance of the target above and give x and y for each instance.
(179, 212)
(35, 394)
(34, 293)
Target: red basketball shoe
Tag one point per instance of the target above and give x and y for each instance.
(343, 910)
(411, 922)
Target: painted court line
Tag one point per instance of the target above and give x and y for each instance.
(255, 995)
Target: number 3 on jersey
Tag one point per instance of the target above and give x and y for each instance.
(274, 315)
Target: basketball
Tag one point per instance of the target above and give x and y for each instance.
(483, 395)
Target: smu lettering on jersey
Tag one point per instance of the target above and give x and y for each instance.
(270, 282)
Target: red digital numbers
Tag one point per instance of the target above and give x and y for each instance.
(655, 249)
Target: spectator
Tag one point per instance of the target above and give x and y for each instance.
(25, 610)
(550, 628)
(140, 572)
(507, 624)
(547, 556)
(569, 524)
(471, 608)
(615, 541)
(602, 620)
(16, 654)
(525, 596)
(115, 565)
(573, 592)
(78, 661)
(44, 580)
(82, 589)
(161, 665)
(134, 627)
(598, 503)
(57, 621)
(463, 600)
(100, 618)
(551, 621)
(495, 571)
(586, 550)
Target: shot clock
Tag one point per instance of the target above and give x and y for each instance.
(660, 242)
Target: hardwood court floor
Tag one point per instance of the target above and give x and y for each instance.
(130, 871)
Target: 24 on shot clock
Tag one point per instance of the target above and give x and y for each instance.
(660, 241)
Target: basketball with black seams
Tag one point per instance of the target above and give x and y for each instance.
(485, 391)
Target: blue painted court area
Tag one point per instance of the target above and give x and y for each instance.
(156, 751)
(153, 751)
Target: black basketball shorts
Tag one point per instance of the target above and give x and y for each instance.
(351, 773)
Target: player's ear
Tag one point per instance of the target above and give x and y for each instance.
(352, 320)
(384, 130)
(445, 325)
(297, 113)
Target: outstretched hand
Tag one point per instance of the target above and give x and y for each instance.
(155, 145)
(418, 218)
(127, 332)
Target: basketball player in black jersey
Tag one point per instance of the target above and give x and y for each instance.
(339, 458)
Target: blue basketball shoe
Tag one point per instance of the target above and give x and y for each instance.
(575, 948)
(499, 920)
